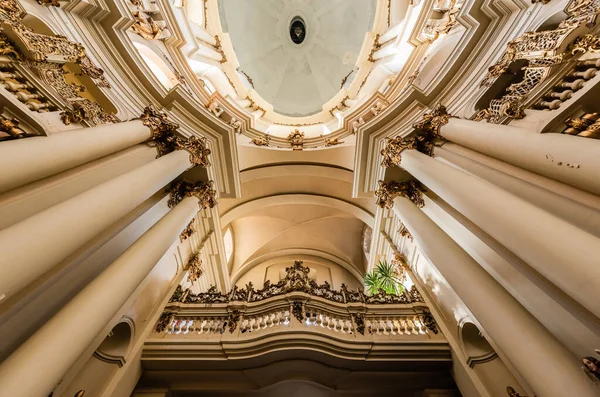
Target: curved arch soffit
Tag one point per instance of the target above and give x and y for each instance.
(285, 170)
(298, 253)
(249, 207)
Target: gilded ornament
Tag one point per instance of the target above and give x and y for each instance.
(296, 139)
(70, 116)
(433, 121)
(374, 49)
(149, 29)
(179, 294)
(359, 321)
(157, 122)
(404, 232)
(297, 280)
(332, 142)
(49, 3)
(11, 128)
(298, 311)
(203, 191)
(585, 43)
(188, 231)
(387, 191)
(428, 320)
(232, 320)
(194, 267)
(164, 321)
(197, 149)
(394, 148)
(7, 48)
(509, 390)
(261, 141)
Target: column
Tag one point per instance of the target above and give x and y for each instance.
(26, 160)
(561, 252)
(571, 160)
(548, 368)
(36, 244)
(51, 351)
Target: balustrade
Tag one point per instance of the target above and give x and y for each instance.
(299, 304)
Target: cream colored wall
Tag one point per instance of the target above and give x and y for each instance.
(320, 272)
(250, 157)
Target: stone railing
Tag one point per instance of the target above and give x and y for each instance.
(296, 304)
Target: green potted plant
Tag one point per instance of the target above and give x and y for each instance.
(385, 277)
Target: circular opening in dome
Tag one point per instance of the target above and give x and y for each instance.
(297, 30)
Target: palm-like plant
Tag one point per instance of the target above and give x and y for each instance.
(384, 277)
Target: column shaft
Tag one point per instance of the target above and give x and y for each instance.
(571, 160)
(561, 252)
(51, 351)
(26, 160)
(548, 368)
(36, 244)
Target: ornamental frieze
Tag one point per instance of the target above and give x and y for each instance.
(296, 280)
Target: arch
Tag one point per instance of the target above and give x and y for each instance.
(476, 348)
(115, 346)
(295, 199)
(156, 64)
(297, 253)
(284, 170)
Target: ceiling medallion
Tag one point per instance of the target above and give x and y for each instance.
(297, 30)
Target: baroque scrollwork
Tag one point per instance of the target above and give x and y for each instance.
(387, 191)
(194, 267)
(359, 321)
(297, 280)
(157, 121)
(404, 232)
(188, 231)
(203, 191)
(395, 146)
(232, 320)
(433, 121)
(428, 320)
(164, 320)
(298, 311)
(296, 139)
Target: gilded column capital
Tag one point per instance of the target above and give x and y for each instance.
(202, 190)
(387, 191)
(395, 146)
(197, 149)
(433, 121)
(157, 122)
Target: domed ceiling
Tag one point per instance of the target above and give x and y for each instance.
(297, 79)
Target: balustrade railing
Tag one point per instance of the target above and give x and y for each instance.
(299, 304)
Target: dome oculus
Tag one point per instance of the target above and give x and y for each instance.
(297, 30)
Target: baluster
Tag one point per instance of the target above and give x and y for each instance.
(586, 74)
(244, 325)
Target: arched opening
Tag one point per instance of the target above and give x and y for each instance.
(100, 368)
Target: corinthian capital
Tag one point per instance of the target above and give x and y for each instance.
(197, 149)
(157, 122)
(387, 191)
(394, 148)
(433, 121)
(201, 190)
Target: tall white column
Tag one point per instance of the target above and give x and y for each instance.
(561, 252)
(37, 366)
(548, 368)
(574, 161)
(26, 160)
(36, 244)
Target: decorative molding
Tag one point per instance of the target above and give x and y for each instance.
(296, 280)
(433, 121)
(404, 232)
(188, 231)
(202, 190)
(157, 122)
(296, 139)
(387, 191)
(194, 268)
